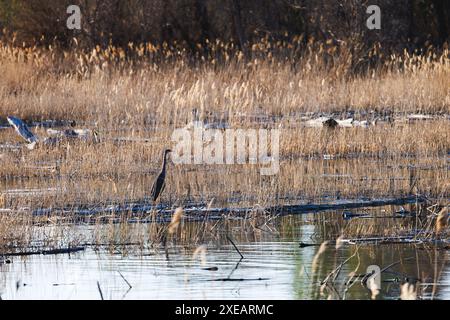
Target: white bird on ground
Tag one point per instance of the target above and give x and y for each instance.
(346, 122)
(69, 133)
(55, 135)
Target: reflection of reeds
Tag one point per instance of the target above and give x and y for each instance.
(200, 252)
(339, 242)
(408, 292)
(442, 220)
(373, 287)
(319, 252)
(176, 220)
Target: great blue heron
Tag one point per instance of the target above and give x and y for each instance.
(159, 183)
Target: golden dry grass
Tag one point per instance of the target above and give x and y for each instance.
(144, 92)
(112, 86)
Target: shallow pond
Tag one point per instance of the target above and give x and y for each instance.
(274, 267)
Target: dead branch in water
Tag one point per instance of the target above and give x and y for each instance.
(308, 208)
(385, 240)
(229, 239)
(240, 279)
(44, 252)
(333, 274)
(124, 279)
(134, 211)
(100, 290)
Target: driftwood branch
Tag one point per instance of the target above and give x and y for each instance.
(100, 290)
(196, 212)
(235, 247)
(43, 252)
(239, 279)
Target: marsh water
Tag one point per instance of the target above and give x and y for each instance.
(120, 261)
(274, 267)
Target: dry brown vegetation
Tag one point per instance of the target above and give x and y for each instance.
(144, 92)
(147, 83)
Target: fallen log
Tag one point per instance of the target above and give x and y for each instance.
(345, 204)
(43, 252)
(140, 212)
(385, 240)
(238, 279)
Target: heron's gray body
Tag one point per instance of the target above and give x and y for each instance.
(159, 183)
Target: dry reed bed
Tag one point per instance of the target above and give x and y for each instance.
(112, 86)
(146, 92)
(76, 182)
(373, 162)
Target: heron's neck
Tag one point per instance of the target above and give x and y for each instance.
(163, 168)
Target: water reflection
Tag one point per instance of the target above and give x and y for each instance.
(274, 267)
